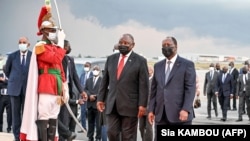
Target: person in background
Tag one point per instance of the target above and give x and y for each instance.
(16, 70)
(4, 102)
(235, 74)
(210, 82)
(91, 88)
(217, 68)
(243, 93)
(124, 91)
(67, 128)
(224, 91)
(115, 49)
(87, 73)
(246, 63)
(145, 127)
(173, 88)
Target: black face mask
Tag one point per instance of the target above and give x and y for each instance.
(244, 72)
(68, 51)
(224, 71)
(167, 51)
(123, 49)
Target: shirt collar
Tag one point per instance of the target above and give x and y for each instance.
(172, 59)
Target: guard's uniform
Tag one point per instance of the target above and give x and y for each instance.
(44, 87)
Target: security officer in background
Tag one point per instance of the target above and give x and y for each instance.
(4, 102)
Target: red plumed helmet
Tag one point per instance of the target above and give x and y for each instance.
(44, 20)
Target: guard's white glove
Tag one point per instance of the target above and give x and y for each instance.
(61, 36)
(65, 97)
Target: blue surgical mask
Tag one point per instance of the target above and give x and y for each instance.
(23, 47)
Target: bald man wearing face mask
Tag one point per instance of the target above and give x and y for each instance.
(125, 87)
(17, 68)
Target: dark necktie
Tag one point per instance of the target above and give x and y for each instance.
(94, 81)
(167, 72)
(120, 67)
(23, 61)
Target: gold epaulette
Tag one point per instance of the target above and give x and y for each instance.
(40, 48)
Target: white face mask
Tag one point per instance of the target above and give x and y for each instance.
(52, 36)
(96, 72)
(211, 68)
(86, 69)
(23, 47)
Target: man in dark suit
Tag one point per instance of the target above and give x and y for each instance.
(17, 68)
(243, 93)
(210, 83)
(87, 73)
(75, 89)
(235, 74)
(246, 63)
(92, 87)
(224, 91)
(125, 78)
(4, 101)
(173, 88)
(145, 127)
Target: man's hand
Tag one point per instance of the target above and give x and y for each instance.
(141, 112)
(2, 79)
(183, 115)
(151, 118)
(216, 93)
(92, 98)
(100, 106)
(231, 96)
(80, 101)
(84, 96)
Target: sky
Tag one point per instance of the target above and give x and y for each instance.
(93, 27)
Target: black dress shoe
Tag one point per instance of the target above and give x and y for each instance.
(238, 120)
(223, 119)
(72, 136)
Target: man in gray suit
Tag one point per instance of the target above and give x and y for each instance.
(17, 68)
(172, 96)
(210, 83)
(125, 84)
(243, 92)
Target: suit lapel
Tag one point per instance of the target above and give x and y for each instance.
(174, 69)
(162, 71)
(114, 64)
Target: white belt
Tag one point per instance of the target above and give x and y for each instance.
(4, 91)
